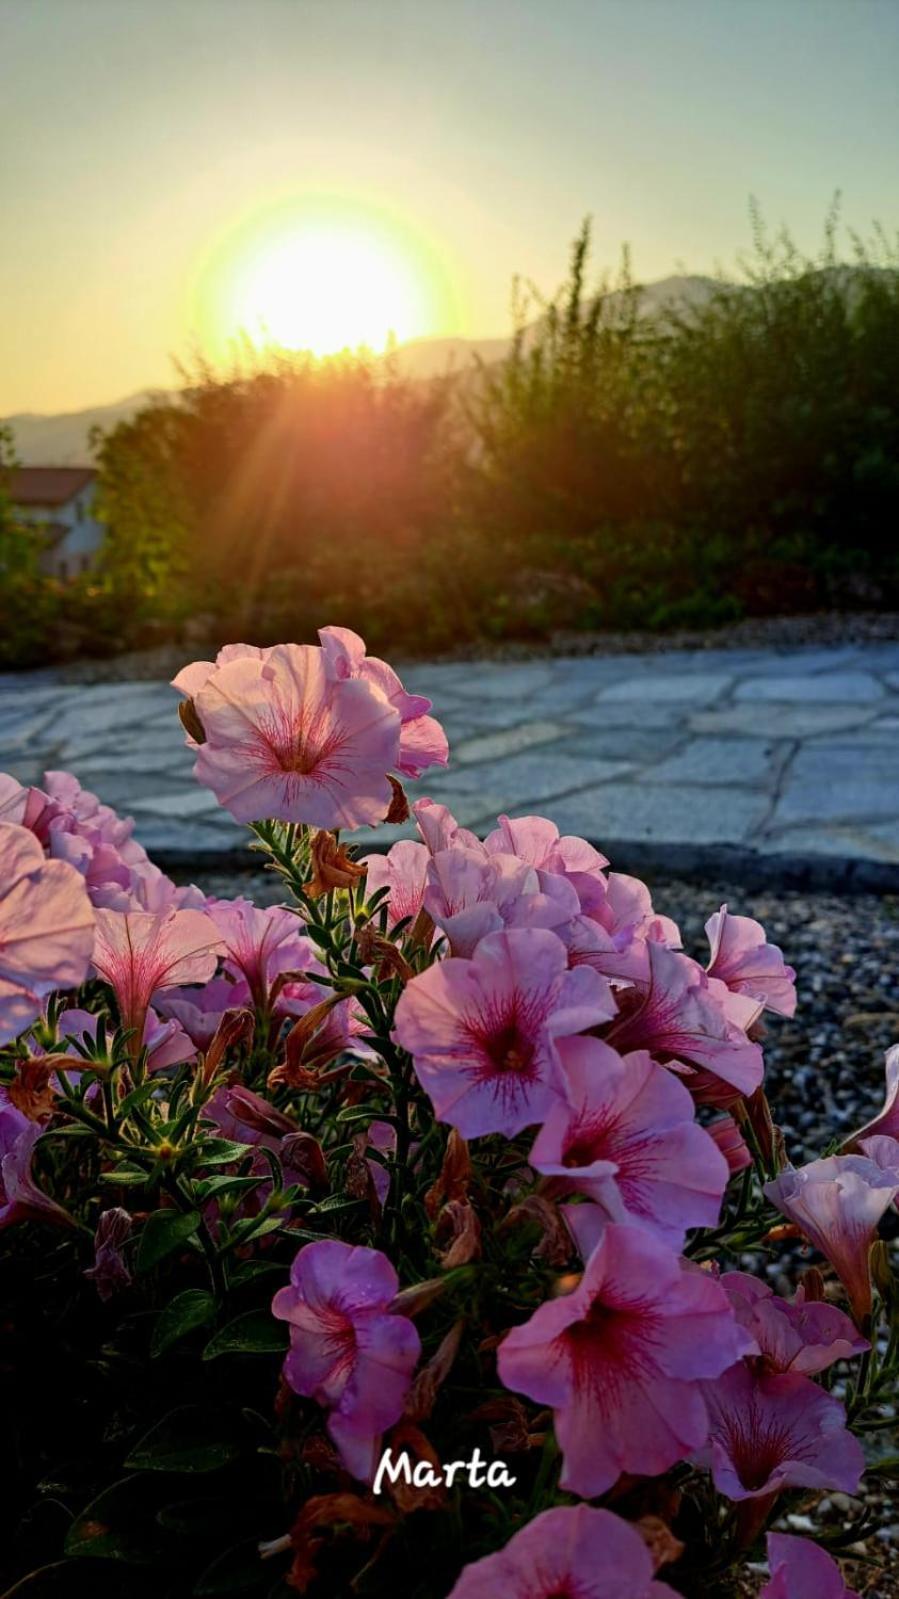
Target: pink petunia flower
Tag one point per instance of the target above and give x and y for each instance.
(744, 960)
(837, 1204)
(20, 1197)
(481, 1032)
(13, 799)
(886, 1122)
(619, 1358)
(470, 894)
(348, 1350)
(403, 871)
(199, 1010)
(731, 1142)
(46, 928)
(801, 1569)
(684, 1016)
(568, 1553)
(262, 945)
(806, 1335)
(768, 1433)
(626, 1136)
(536, 840)
(284, 739)
(164, 1039)
(440, 830)
(422, 739)
(109, 1271)
(138, 953)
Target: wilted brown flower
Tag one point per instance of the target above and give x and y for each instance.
(458, 1223)
(454, 1175)
(332, 866)
(399, 805)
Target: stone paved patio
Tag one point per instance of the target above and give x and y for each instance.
(785, 761)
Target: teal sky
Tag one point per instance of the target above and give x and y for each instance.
(140, 138)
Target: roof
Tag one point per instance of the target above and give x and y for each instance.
(48, 485)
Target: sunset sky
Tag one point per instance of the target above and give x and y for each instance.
(328, 168)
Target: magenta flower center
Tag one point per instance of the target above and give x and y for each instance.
(757, 1448)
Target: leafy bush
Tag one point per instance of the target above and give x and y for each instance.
(454, 1156)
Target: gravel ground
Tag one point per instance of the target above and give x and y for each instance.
(766, 632)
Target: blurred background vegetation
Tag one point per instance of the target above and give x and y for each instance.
(618, 470)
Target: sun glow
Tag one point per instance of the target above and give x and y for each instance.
(324, 279)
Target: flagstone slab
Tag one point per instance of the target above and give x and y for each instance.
(785, 757)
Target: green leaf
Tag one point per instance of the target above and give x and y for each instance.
(251, 1269)
(240, 1568)
(124, 1177)
(192, 1308)
(255, 1333)
(162, 1232)
(116, 1526)
(220, 1151)
(188, 1439)
(211, 1186)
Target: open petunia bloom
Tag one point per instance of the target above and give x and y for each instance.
(164, 1039)
(807, 1335)
(469, 894)
(569, 1553)
(20, 1197)
(285, 739)
(625, 1135)
(481, 1032)
(403, 872)
(46, 928)
(261, 945)
(886, 1122)
(422, 740)
(440, 830)
(743, 959)
(618, 1360)
(137, 953)
(801, 1569)
(348, 1350)
(681, 1016)
(837, 1204)
(200, 1010)
(768, 1433)
(537, 841)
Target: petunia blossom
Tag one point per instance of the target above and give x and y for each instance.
(573, 1551)
(403, 872)
(46, 928)
(348, 1350)
(536, 840)
(199, 1010)
(626, 1136)
(440, 830)
(469, 894)
(801, 1569)
(138, 953)
(805, 1335)
(768, 1433)
(743, 959)
(481, 1032)
(837, 1204)
(261, 945)
(164, 1039)
(886, 1122)
(618, 1360)
(422, 739)
(682, 1017)
(20, 1197)
(284, 739)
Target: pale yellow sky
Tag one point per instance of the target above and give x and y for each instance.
(143, 143)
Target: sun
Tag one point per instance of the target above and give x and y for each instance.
(325, 285)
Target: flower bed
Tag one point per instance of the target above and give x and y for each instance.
(411, 1233)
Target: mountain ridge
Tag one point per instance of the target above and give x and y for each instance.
(63, 438)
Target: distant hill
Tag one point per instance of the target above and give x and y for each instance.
(63, 439)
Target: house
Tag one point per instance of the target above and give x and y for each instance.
(59, 502)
